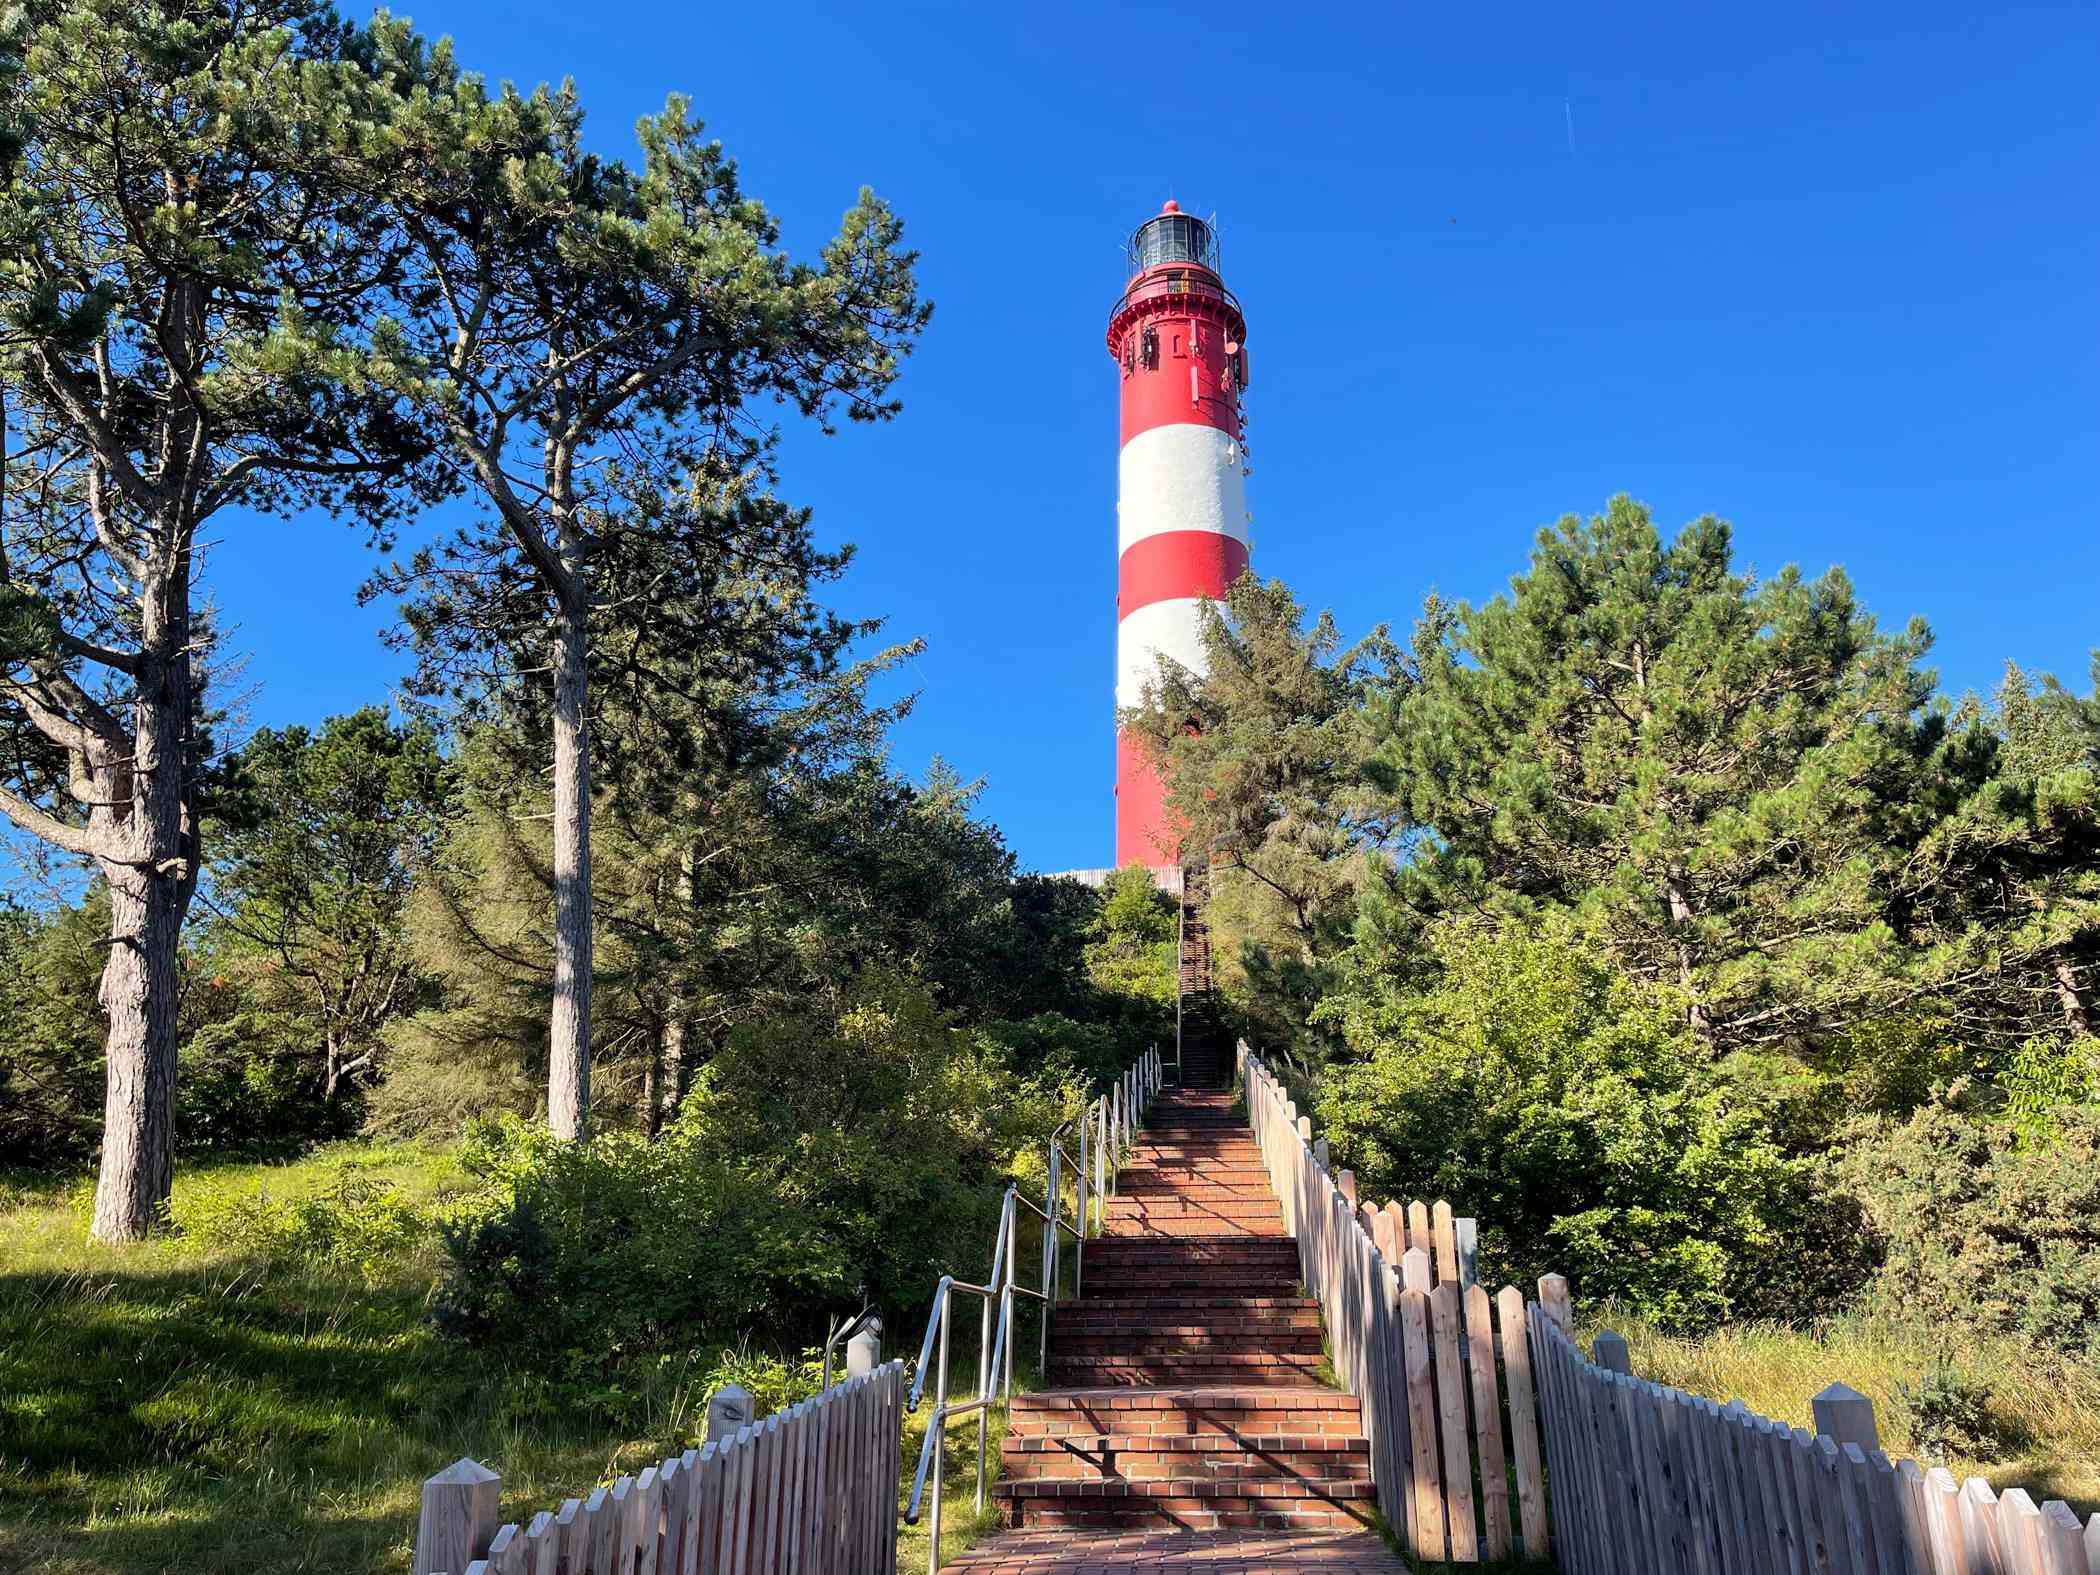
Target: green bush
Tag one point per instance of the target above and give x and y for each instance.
(1980, 1227)
(355, 1223)
(1567, 1107)
(858, 1149)
(774, 1381)
(1946, 1412)
(580, 1254)
(1058, 1047)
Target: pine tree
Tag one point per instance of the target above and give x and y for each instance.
(325, 832)
(1724, 779)
(590, 332)
(1264, 759)
(188, 330)
(2006, 891)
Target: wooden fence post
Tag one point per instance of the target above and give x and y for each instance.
(1609, 1352)
(1843, 1413)
(728, 1409)
(1553, 1300)
(458, 1517)
(1467, 1232)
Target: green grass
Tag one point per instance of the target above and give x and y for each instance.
(2044, 1408)
(166, 1408)
(961, 1522)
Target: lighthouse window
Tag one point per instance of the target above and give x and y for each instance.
(1178, 351)
(1148, 349)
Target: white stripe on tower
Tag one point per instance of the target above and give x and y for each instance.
(1182, 512)
(1180, 477)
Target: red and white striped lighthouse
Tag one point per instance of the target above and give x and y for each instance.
(1179, 340)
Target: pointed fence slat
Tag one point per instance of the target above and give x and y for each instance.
(1645, 1479)
(808, 1491)
(1487, 1423)
(1579, 1460)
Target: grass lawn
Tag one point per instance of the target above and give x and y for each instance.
(2044, 1410)
(165, 1408)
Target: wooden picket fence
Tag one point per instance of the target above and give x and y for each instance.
(1653, 1481)
(1476, 1406)
(1442, 1370)
(812, 1488)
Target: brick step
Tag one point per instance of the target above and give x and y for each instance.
(1212, 1279)
(1192, 1368)
(1086, 1524)
(1220, 1201)
(1137, 1315)
(1166, 1172)
(1060, 1550)
(1154, 1191)
(1224, 1250)
(1193, 1504)
(1068, 1347)
(1209, 1271)
(1136, 1227)
(1182, 1157)
(1154, 1188)
(1280, 1334)
(1244, 1265)
(1166, 1457)
(1187, 1409)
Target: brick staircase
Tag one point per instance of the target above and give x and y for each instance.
(1186, 1424)
(1206, 1049)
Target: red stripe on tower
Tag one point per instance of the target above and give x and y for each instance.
(1179, 339)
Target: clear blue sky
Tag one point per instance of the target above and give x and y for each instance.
(1828, 271)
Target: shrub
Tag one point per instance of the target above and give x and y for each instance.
(775, 1382)
(1946, 1412)
(1065, 1050)
(819, 1157)
(355, 1223)
(2046, 1075)
(1982, 1229)
(1567, 1106)
(578, 1254)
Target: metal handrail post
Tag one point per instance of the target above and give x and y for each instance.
(1013, 1266)
(1079, 1258)
(1056, 1201)
(984, 1349)
(939, 1421)
(1100, 1161)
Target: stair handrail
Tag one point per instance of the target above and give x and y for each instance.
(1181, 978)
(1113, 1118)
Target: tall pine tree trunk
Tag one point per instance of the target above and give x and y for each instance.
(677, 1031)
(2071, 998)
(147, 800)
(139, 994)
(569, 1039)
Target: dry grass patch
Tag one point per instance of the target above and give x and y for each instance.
(2040, 1412)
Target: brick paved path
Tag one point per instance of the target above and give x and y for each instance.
(1181, 1553)
(1186, 1429)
